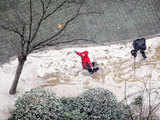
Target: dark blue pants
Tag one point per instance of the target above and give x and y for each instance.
(90, 70)
(142, 51)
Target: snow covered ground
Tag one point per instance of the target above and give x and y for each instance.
(61, 71)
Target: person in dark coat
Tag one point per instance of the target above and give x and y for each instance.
(86, 63)
(139, 45)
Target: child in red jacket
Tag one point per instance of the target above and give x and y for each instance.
(86, 63)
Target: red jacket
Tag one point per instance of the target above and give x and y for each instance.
(85, 59)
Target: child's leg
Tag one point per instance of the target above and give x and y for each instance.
(143, 53)
(89, 69)
(95, 69)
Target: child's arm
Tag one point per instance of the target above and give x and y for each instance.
(78, 53)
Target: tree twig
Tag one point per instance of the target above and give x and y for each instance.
(45, 42)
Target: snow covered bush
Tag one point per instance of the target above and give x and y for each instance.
(94, 104)
(37, 104)
(101, 104)
(71, 109)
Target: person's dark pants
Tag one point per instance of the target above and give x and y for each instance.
(143, 53)
(90, 70)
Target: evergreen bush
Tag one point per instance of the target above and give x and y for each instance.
(101, 104)
(37, 104)
(94, 104)
(71, 109)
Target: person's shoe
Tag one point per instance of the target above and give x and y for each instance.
(95, 69)
(91, 72)
(144, 56)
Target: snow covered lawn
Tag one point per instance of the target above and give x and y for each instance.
(61, 71)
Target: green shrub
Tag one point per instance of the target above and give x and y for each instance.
(94, 104)
(71, 109)
(100, 104)
(37, 104)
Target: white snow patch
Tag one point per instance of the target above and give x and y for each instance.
(61, 71)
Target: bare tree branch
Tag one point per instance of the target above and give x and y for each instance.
(23, 40)
(10, 29)
(12, 44)
(43, 17)
(38, 25)
(30, 23)
(55, 10)
(49, 2)
(20, 21)
(45, 42)
(43, 6)
(30, 26)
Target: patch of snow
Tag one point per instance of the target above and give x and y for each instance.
(62, 68)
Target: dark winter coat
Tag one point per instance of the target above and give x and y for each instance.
(85, 59)
(139, 44)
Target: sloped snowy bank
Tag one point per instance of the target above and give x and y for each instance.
(61, 71)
